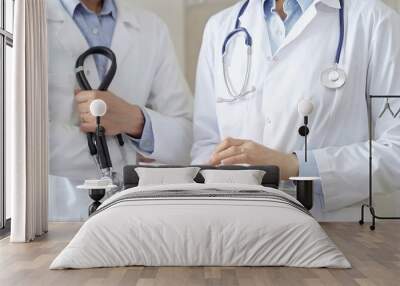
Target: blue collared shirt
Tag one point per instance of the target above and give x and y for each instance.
(98, 30)
(278, 30)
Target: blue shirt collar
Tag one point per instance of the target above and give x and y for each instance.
(304, 4)
(108, 7)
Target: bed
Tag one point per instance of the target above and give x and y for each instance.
(198, 224)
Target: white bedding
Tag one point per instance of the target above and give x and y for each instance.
(200, 232)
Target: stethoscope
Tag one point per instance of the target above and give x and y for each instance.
(332, 78)
(104, 165)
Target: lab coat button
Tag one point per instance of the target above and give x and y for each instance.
(95, 31)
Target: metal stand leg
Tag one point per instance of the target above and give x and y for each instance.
(93, 207)
(370, 205)
(374, 216)
(361, 222)
(372, 210)
(96, 196)
(305, 193)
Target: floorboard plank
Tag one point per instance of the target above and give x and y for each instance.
(375, 257)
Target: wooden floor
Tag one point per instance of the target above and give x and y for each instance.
(375, 257)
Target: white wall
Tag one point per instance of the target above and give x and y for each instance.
(393, 3)
(173, 14)
(197, 14)
(185, 20)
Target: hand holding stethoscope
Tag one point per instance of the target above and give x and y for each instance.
(95, 146)
(332, 78)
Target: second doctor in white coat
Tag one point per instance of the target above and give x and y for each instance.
(148, 79)
(263, 127)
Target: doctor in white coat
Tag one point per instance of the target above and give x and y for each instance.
(148, 101)
(293, 44)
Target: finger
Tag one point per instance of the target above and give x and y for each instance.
(236, 160)
(84, 107)
(228, 142)
(88, 127)
(85, 96)
(77, 90)
(217, 158)
(87, 118)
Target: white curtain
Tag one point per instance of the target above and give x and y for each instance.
(26, 117)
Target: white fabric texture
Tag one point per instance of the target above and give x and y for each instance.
(244, 177)
(200, 232)
(166, 176)
(27, 117)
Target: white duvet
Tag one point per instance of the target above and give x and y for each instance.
(200, 232)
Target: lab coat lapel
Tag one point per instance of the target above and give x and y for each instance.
(299, 27)
(71, 38)
(306, 19)
(122, 43)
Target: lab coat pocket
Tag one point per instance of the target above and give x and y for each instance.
(232, 117)
(233, 114)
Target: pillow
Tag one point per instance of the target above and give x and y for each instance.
(166, 176)
(243, 177)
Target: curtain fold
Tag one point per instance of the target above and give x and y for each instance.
(27, 123)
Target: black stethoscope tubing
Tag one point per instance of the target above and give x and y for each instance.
(104, 85)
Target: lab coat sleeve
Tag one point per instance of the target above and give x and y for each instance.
(205, 123)
(169, 107)
(344, 170)
(146, 142)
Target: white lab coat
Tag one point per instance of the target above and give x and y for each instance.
(147, 75)
(339, 125)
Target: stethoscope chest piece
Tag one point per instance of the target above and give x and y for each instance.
(333, 78)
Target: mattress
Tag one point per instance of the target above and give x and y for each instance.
(201, 225)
